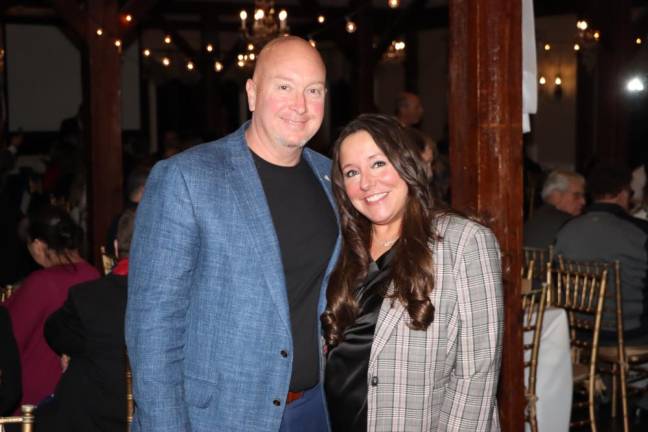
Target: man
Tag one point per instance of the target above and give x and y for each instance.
(409, 109)
(564, 195)
(233, 246)
(607, 232)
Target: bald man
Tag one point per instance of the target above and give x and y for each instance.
(233, 246)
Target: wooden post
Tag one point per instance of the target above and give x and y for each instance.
(101, 72)
(485, 116)
(104, 104)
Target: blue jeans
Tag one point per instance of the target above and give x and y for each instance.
(306, 414)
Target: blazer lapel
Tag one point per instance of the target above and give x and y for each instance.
(390, 315)
(252, 201)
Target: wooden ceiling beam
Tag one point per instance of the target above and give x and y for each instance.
(75, 18)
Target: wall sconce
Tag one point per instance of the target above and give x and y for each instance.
(558, 91)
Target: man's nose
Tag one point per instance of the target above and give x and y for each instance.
(299, 104)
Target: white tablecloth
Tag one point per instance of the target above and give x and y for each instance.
(554, 380)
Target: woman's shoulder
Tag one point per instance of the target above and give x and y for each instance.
(454, 229)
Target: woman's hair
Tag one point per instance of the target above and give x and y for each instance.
(54, 227)
(412, 269)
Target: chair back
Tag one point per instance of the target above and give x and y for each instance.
(535, 263)
(533, 304)
(108, 261)
(6, 291)
(130, 402)
(26, 419)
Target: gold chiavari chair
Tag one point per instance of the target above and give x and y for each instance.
(26, 419)
(107, 261)
(533, 305)
(582, 294)
(5, 292)
(130, 402)
(534, 268)
(627, 364)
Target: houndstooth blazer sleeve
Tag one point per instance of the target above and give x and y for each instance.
(443, 378)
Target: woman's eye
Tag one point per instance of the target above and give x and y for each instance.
(350, 173)
(378, 164)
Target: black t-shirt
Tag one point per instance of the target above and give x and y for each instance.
(306, 228)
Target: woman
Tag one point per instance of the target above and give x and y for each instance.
(414, 317)
(54, 241)
(89, 329)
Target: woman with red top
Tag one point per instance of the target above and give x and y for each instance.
(53, 241)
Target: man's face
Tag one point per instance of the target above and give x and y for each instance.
(412, 112)
(286, 96)
(573, 199)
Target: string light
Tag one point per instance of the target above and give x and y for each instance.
(218, 66)
(321, 19)
(251, 56)
(283, 15)
(147, 52)
(117, 43)
(576, 47)
(581, 25)
(542, 80)
(638, 41)
(597, 35)
(547, 47)
(393, 3)
(209, 48)
(350, 26)
(190, 66)
(250, 47)
(558, 80)
(259, 14)
(166, 61)
(167, 39)
(99, 32)
(129, 18)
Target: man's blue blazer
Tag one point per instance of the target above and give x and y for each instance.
(207, 315)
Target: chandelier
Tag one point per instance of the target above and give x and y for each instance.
(266, 24)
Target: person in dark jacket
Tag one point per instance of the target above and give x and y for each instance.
(89, 330)
(10, 384)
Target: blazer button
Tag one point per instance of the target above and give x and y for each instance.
(374, 381)
(284, 353)
(276, 402)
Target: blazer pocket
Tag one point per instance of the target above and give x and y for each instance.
(198, 393)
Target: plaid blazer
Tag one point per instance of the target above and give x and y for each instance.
(443, 378)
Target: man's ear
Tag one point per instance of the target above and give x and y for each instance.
(250, 89)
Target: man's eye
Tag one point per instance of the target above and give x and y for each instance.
(315, 91)
(283, 87)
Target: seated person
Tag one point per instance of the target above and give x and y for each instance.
(10, 387)
(89, 328)
(607, 232)
(564, 195)
(53, 240)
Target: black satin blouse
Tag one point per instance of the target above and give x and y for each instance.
(348, 363)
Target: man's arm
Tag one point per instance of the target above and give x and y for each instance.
(471, 391)
(162, 259)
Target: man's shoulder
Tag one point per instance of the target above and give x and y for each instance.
(318, 160)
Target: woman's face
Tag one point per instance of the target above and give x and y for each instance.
(371, 182)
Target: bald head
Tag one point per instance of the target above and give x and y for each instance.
(286, 96)
(286, 46)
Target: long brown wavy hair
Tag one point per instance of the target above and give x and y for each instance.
(412, 268)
